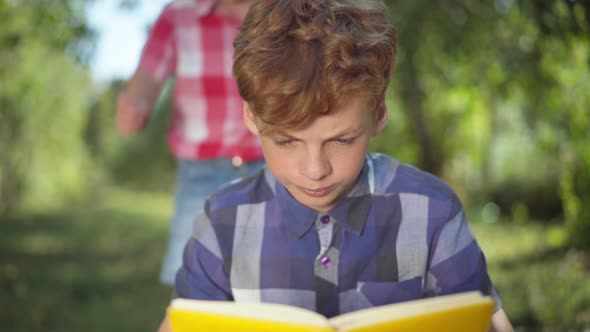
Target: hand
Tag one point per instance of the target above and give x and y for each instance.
(500, 322)
(131, 115)
(165, 326)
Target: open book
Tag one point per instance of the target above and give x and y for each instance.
(459, 312)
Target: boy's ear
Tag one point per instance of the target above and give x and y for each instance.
(380, 118)
(250, 119)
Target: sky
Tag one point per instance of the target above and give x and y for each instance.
(121, 35)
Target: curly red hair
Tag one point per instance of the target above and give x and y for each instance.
(296, 60)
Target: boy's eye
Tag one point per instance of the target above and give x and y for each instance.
(345, 140)
(283, 141)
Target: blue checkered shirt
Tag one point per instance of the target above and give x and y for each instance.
(400, 234)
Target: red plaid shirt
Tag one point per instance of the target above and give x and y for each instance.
(194, 44)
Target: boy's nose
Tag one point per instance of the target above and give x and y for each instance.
(316, 166)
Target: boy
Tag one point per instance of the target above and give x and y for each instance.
(327, 226)
(192, 40)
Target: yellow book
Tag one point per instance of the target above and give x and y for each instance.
(468, 311)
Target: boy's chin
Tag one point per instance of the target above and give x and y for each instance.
(319, 204)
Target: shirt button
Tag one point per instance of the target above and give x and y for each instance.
(326, 261)
(325, 219)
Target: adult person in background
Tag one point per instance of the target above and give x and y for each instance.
(192, 41)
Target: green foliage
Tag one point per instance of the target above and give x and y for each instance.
(42, 103)
(545, 291)
(568, 103)
(543, 287)
(567, 281)
(493, 97)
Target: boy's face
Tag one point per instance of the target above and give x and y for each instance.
(319, 164)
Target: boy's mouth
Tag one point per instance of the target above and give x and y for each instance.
(318, 192)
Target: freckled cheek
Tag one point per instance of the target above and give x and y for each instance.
(282, 164)
(348, 161)
(350, 154)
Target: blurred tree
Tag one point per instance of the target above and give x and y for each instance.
(558, 104)
(45, 46)
(489, 94)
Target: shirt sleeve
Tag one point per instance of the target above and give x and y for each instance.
(202, 274)
(158, 56)
(458, 263)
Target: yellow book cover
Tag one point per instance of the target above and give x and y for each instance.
(468, 311)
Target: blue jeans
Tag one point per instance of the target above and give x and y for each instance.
(196, 180)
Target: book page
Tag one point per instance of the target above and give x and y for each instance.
(259, 311)
(416, 308)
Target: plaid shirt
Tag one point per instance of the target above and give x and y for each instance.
(400, 234)
(196, 45)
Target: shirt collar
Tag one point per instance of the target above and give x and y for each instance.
(351, 213)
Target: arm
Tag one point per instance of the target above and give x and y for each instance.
(458, 265)
(136, 102)
(157, 63)
(500, 322)
(202, 274)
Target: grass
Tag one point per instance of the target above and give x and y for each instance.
(89, 268)
(94, 267)
(544, 286)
